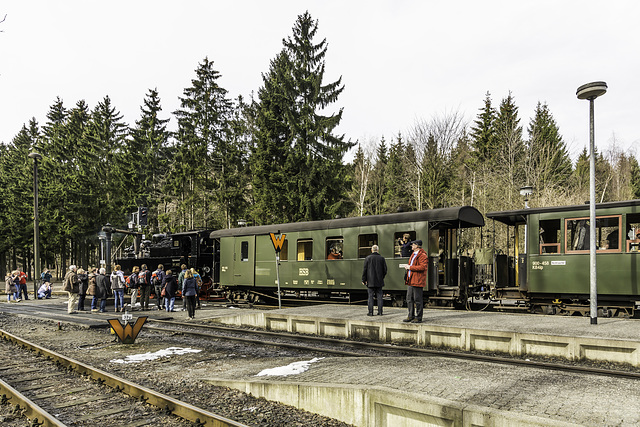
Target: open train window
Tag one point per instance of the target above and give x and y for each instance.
(633, 232)
(400, 237)
(284, 251)
(549, 236)
(607, 234)
(244, 251)
(333, 247)
(305, 249)
(365, 241)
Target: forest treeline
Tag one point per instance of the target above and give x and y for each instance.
(273, 158)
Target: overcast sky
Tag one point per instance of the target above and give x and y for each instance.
(400, 61)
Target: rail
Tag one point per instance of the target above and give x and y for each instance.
(167, 403)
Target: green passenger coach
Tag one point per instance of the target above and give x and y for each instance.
(325, 258)
(551, 247)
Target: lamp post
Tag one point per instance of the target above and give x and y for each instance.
(591, 91)
(525, 192)
(108, 230)
(36, 226)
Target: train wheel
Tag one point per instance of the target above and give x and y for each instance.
(397, 301)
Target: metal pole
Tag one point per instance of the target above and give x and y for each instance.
(591, 91)
(36, 231)
(36, 225)
(278, 278)
(593, 289)
(108, 233)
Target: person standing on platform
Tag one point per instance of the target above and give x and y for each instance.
(373, 273)
(144, 282)
(102, 290)
(180, 280)
(198, 278)
(10, 287)
(157, 277)
(117, 286)
(71, 286)
(91, 291)
(189, 291)
(83, 286)
(170, 286)
(133, 286)
(16, 284)
(416, 280)
(23, 285)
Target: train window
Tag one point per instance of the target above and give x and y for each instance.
(244, 251)
(305, 249)
(400, 238)
(284, 251)
(549, 236)
(333, 247)
(365, 241)
(633, 233)
(607, 234)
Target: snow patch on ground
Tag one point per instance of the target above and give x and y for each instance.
(168, 352)
(294, 368)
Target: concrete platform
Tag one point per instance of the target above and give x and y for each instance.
(417, 391)
(573, 338)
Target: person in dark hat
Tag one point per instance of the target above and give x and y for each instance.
(375, 268)
(416, 280)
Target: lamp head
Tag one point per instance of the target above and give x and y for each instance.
(35, 156)
(526, 191)
(591, 90)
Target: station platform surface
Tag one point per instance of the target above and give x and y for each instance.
(439, 391)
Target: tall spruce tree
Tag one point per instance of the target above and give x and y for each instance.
(483, 133)
(291, 100)
(548, 160)
(106, 135)
(203, 139)
(376, 192)
(148, 149)
(396, 178)
(510, 149)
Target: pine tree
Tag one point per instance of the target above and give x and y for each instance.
(312, 175)
(148, 149)
(106, 136)
(548, 160)
(483, 133)
(203, 138)
(510, 152)
(376, 193)
(396, 179)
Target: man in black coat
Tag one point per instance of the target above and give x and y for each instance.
(375, 268)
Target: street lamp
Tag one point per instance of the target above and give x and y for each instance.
(36, 226)
(525, 192)
(591, 91)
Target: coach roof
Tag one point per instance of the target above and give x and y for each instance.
(518, 216)
(463, 216)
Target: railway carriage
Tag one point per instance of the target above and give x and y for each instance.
(325, 258)
(551, 246)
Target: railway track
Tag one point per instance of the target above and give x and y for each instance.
(350, 348)
(51, 389)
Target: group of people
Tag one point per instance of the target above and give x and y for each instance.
(16, 285)
(375, 270)
(79, 283)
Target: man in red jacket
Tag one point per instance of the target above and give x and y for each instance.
(416, 279)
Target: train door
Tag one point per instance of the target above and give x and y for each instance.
(244, 257)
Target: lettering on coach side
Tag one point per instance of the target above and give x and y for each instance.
(303, 272)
